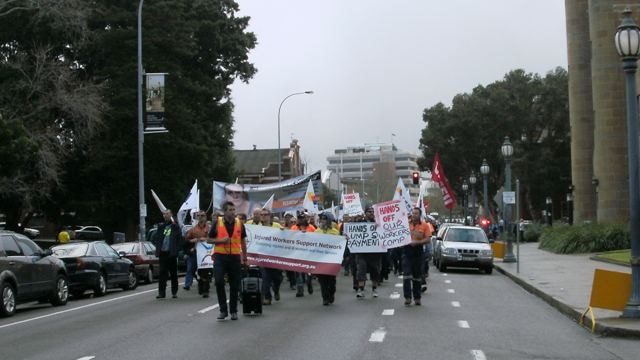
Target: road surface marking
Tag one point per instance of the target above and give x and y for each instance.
(388, 311)
(395, 295)
(378, 335)
(478, 355)
(87, 358)
(400, 276)
(208, 309)
(447, 281)
(77, 308)
(451, 291)
(463, 324)
(445, 274)
(455, 303)
(399, 285)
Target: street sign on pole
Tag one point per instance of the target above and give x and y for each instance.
(509, 197)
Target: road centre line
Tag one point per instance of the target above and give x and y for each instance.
(447, 281)
(451, 291)
(378, 335)
(87, 358)
(77, 308)
(399, 285)
(208, 309)
(388, 312)
(445, 274)
(455, 303)
(395, 295)
(478, 355)
(463, 324)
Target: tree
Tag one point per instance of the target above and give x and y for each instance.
(204, 47)
(49, 107)
(531, 110)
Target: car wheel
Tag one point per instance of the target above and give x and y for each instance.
(8, 306)
(488, 270)
(149, 277)
(101, 286)
(61, 293)
(133, 280)
(441, 266)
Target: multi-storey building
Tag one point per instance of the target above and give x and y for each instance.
(356, 164)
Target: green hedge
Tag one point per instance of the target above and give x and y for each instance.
(565, 239)
(532, 232)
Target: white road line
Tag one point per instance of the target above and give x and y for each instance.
(388, 312)
(451, 291)
(478, 355)
(400, 276)
(208, 309)
(87, 358)
(447, 281)
(455, 303)
(399, 285)
(378, 335)
(78, 308)
(463, 324)
(444, 274)
(395, 295)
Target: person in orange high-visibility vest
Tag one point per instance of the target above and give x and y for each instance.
(230, 252)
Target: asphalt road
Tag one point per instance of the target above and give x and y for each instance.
(465, 315)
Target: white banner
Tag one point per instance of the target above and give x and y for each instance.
(363, 237)
(351, 204)
(203, 254)
(393, 229)
(294, 250)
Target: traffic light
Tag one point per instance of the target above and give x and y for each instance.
(416, 177)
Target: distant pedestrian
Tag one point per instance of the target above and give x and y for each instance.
(200, 233)
(230, 251)
(303, 225)
(63, 236)
(271, 278)
(327, 282)
(412, 257)
(167, 241)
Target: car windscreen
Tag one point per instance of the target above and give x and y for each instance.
(72, 250)
(465, 235)
(127, 248)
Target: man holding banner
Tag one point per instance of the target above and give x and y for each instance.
(197, 236)
(271, 278)
(368, 262)
(412, 257)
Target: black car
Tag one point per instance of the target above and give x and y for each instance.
(27, 273)
(96, 266)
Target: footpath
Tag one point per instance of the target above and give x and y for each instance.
(565, 281)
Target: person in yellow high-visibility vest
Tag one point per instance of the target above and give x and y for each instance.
(63, 236)
(230, 252)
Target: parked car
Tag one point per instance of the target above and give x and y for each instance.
(27, 273)
(30, 232)
(88, 233)
(96, 266)
(143, 256)
(465, 246)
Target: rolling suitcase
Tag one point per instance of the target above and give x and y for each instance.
(251, 291)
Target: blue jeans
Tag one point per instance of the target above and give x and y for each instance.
(190, 261)
(301, 279)
(271, 279)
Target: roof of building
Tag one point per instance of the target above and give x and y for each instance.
(253, 161)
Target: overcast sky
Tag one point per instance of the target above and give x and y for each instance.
(375, 65)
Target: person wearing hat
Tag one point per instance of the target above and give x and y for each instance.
(368, 262)
(327, 282)
(302, 224)
(235, 193)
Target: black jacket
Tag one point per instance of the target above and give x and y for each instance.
(176, 238)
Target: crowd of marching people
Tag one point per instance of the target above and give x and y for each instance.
(227, 235)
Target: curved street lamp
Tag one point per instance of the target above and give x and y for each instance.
(627, 40)
(507, 152)
(280, 150)
(484, 170)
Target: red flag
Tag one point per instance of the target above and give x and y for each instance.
(437, 175)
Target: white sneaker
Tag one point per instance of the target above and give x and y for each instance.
(374, 293)
(360, 294)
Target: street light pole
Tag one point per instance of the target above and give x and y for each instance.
(484, 170)
(465, 187)
(279, 150)
(549, 202)
(627, 42)
(507, 151)
(142, 206)
(472, 181)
